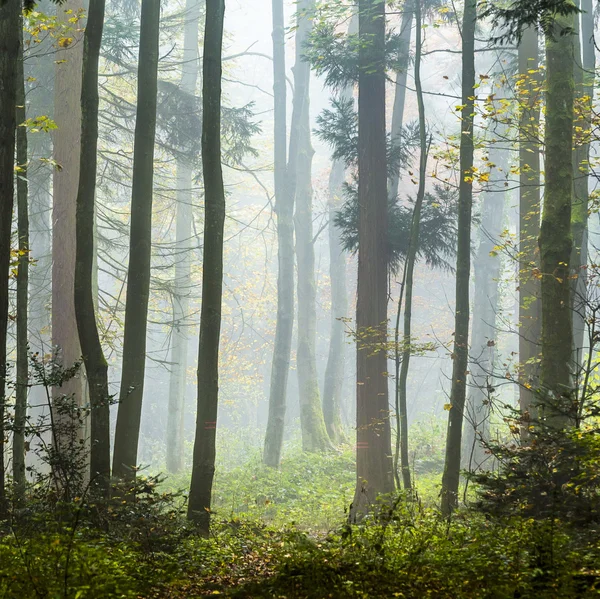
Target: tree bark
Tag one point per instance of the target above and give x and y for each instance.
(530, 316)
(314, 433)
(451, 476)
(9, 56)
(127, 430)
(22, 286)
(177, 386)
(203, 468)
(555, 235)
(284, 208)
(85, 313)
(373, 446)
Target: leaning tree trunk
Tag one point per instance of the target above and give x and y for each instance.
(85, 313)
(10, 12)
(487, 271)
(183, 227)
(22, 287)
(555, 235)
(451, 476)
(203, 468)
(400, 89)
(373, 437)
(530, 315)
(66, 153)
(314, 433)
(411, 259)
(129, 416)
(284, 208)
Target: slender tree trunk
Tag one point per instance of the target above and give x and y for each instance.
(373, 437)
(22, 286)
(66, 151)
(314, 433)
(451, 477)
(9, 56)
(334, 371)
(530, 319)
(400, 87)
(127, 431)
(85, 313)
(189, 77)
(584, 76)
(487, 271)
(203, 468)
(411, 259)
(555, 234)
(284, 208)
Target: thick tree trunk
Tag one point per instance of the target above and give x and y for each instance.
(487, 271)
(555, 234)
(314, 433)
(400, 88)
(127, 431)
(203, 468)
(530, 315)
(22, 287)
(451, 476)
(177, 385)
(85, 313)
(373, 446)
(9, 56)
(284, 207)
(66, 151)
(411, 259)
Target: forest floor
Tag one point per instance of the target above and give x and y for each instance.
(283, 535)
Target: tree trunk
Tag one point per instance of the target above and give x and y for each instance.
(584, 76)
(284, 208)
(314, 433)
(175, 421)
(127, 431)
(66, 151)
(373, 446)
(411, 259)
(451, 476)
(487, 271)
(9, 55)
(22, 286)
(530, 320)
(203, 468)
(555, 234)
(85, 313)
(400, 88)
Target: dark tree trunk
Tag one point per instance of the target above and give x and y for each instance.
(451, 476)
(93, 356)
(555, 234)
(530, 315)
(284, 208)
(373, 447)
(22, 287)
(9, 55)
(127, 431)
(177, 386)
(203, 468)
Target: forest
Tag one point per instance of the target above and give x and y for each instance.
(299, 299)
